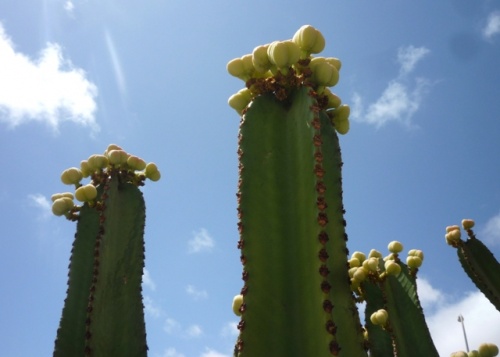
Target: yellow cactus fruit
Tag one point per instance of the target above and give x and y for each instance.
(392, 268)
(260, 59)
(371, 264)
(136, 163)
(413, 262)
(340, 118)
(473, 353)
(334, 100)
(309, 39)
(359, 275)
(452, 228)
(359, 256)
(98, 162)
(459, 354)
(354, 263)
(335, 62)
(374, 254)
(283, 54)
(240, 100)
(152, 172)
(241, 68)
(86, 193)
(237, 302)
(62, 205)
(85, 169)
(416, 253)
(395, 247)
(323, 73)
(468, 223)
(55, 196)
(351, 271)
(379, 317)
(488, 350)
(453, 237)
(71, 176)
(112, 147)
(117, 157)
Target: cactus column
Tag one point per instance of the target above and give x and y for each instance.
(296, 299)
(103, 312)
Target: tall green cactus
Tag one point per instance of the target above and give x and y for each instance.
(298, 296)
(103, 311)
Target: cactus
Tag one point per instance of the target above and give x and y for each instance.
(103, 311)
(477, 261)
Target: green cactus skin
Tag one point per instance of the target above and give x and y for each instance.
(297, 297)
(481, 267)
(103, 312)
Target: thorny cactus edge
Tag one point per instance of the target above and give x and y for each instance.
(300, 289)
(103, 313)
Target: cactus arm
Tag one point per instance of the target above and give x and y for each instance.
(284, 311)
(70, 339)
(482, 268)
(117, 326)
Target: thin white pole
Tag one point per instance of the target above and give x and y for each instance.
(461, 320)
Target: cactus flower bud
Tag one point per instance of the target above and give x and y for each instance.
(379, 317)
(86, 193)
(453, 237)
(359, 256)
(97, 162)
(467, 224)
(359, 275)
(371, 264)
(283, 54)
(374, 254)
(413, 262)
(334, 100)
(240, 100)
(335, 62)
(112, 147)
(309, 39)
(55, 196)
(416, 253)
(152, 172)
(260, 59)
(395, 247)
(237, 302)
(392, 268)
(241, 68)
(488, 350)
(323, 73)
(117, 157)
(71, 176)
(452, 228)
(62, 206)
(136, 163)
(354, 263)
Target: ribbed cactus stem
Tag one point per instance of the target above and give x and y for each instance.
(103, 314)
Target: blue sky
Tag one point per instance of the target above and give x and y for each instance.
(423, 150)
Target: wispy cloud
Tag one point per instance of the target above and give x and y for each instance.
(491, 231)
(492, 26)
(147, 281)
(42, 203)
(195, 293)
(230, 329)
(481, 319)
(400, 100)
(172, 352)
(201, 241)
(116, 63)
(49, 89)
(69, 6)
(174, 327)
(194, 331)
(151, 308)
(212, 353)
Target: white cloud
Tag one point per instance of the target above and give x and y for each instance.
(492, 27)
(194, 331)
(69, 6)
(491, 231)
(49, 89)
(409, 56)
(230, 329)
(428, 295)
(151, 308)
(171, 326)
(147, 281)
(195, 293)
(172, 352)
(212, 353)
(399, 101)
(42, 203)
(202, 241)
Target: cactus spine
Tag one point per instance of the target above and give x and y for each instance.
(103, 311)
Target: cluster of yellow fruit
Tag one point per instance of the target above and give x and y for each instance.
(114, 159)
(484, 350)
(361, 266)
(271, 67)
(453, 233)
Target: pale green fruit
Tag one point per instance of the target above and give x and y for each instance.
(354, 263)
(85, 169)
(323, 73)
(468, 223)
(112, 147)
(86, 193)
(55, 196)
(117, 157)
(98, 162)
(260, 59)
(152, 172)
(473, 353)
(374, 254)
(62, 206)
(359, 275)
(335, 62)
(240, 100)
(488, 350)
(453, 237)
(452, 228)
(334, 100)
(241, 68)
(136, 163)
(283, 54)
(395, 247)
(71, 176)
(417, 253)
(379, 317)
(359, 256)
(392, 268)
(309, 39)
(237, 302)
(459, 354)
(413, 262)
(371, 264)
